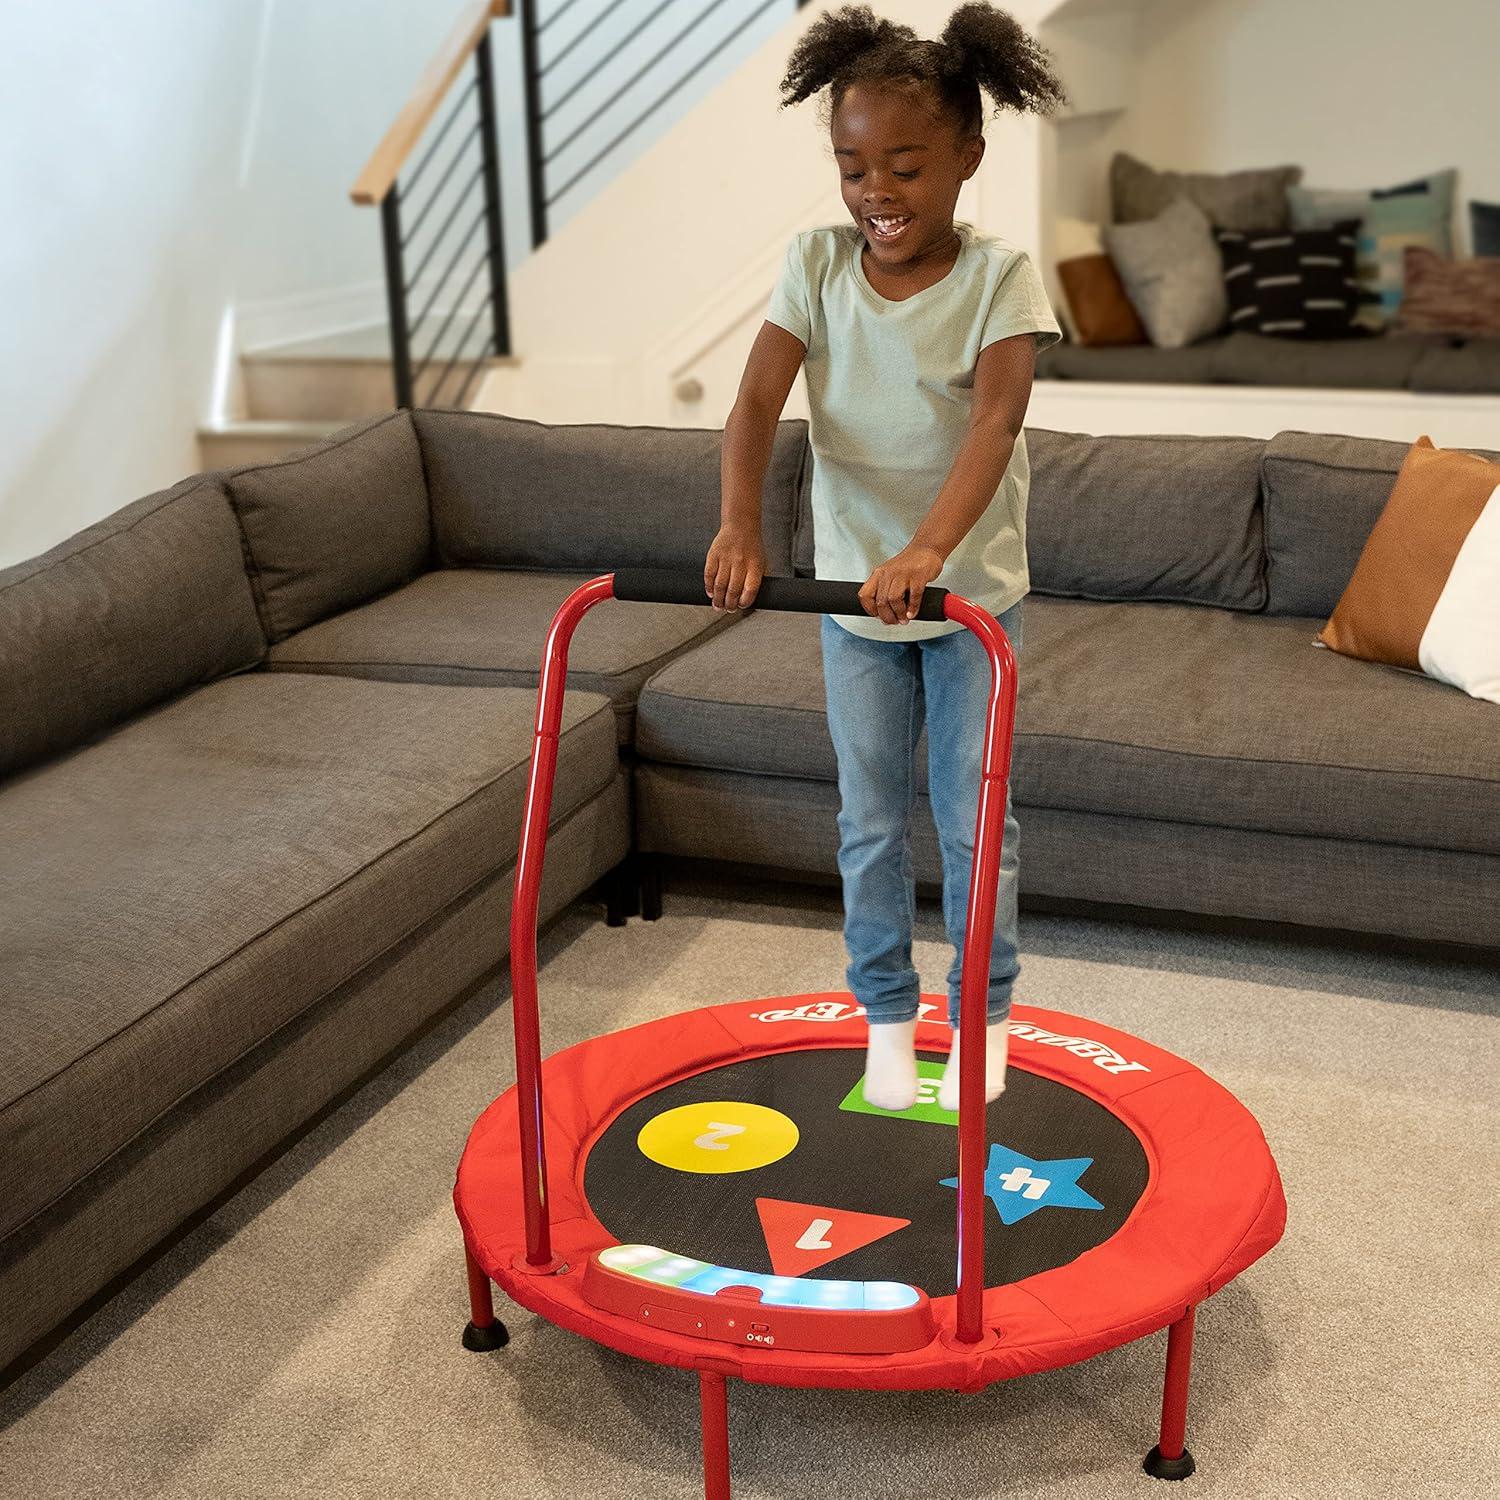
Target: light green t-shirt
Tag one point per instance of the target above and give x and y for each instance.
(890, 386)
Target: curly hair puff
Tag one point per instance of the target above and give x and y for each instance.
(981, 46)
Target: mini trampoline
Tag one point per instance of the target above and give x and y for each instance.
(711, 1191)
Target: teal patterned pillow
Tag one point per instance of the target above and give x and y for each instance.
(1414, 213)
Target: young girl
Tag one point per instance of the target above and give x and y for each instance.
(918, 335)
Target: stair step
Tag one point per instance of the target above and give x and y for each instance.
(230, 445)
(345, 375)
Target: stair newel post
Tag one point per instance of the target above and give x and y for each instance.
(395, 291)
(531, 74)
(489, 148)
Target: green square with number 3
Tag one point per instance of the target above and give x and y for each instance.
(929, 1076)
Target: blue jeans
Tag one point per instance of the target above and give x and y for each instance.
(878, 694)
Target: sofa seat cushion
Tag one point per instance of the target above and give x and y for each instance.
(487, 626)
(1338, 364)
(1394, 362)
(1200, 715)
(1468, 367)
(1129, 362)
(1178, 712)
(176, 892)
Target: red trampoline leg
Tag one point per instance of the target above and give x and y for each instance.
(485, 1330)
(714, 1400)
(1170, 1458)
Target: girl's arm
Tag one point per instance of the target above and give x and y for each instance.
(736, 560)
(1002, 389)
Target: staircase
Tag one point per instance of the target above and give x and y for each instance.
(640, 306)
(294, 394)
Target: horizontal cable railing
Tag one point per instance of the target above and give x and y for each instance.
(443, 242)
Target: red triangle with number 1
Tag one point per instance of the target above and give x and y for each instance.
(803, 1236)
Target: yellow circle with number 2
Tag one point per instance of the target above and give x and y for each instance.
(720, 1136)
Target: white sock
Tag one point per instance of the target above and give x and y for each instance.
(891, 1065)
(996, 1046)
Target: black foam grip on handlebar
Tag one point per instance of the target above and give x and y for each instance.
(811, 596)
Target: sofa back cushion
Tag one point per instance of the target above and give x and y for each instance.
(510, 492)
(1172, 519)
(335, 524)
(148, 602)
(1323, 495)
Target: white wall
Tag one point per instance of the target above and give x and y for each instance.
(174, 183)
(114, 263)
(1361, 93)
(163, 160)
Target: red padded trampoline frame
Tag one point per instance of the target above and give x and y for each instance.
(1212, 1203)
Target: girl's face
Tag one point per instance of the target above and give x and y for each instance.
(900, 162)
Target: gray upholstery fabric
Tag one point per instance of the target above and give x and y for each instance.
(1418, 362)
(334, 524)
(1173, 274)
(179, 891)
(1179, 712)
(749, 700)
(1472, 368)
(1174, 519)
(1193, 365)
(487, 627)
(1253, 199)
(1352, 364)
(191, 1153)
(511, 492)
(1431, 895)
(1322, 495)
(1203, 716)
(1355, 885)
(149, 601)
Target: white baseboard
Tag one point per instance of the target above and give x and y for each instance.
(1263, 411)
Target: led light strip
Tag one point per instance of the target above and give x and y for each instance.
(662, 1268)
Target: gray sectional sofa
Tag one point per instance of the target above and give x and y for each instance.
(264, 736)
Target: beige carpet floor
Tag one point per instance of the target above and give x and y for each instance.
(305, 1339)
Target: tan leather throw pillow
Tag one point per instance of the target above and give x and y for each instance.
(1102, 312)
(1423, 594)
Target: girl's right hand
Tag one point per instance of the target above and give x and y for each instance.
(735, 565)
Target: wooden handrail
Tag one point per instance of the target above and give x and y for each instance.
(390, 155)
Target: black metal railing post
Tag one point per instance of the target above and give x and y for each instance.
(395, 291)
(489, 148)
(532, 74)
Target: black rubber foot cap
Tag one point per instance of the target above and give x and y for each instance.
(1168, 1468)
(480, 1339)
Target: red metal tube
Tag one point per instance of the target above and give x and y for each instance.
(979, 929)
(524, 910)
(481, 1297)
(713, 1400)
(1175, 1392)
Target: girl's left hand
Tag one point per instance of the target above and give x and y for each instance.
(893, 592)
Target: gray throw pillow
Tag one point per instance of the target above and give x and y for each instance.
(1173, 274)
(1255, 199)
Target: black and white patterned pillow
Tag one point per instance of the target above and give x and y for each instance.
(1292, 283)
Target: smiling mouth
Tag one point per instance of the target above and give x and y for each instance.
(888, 227)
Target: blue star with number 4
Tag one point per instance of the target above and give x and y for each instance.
(1019, 1186)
